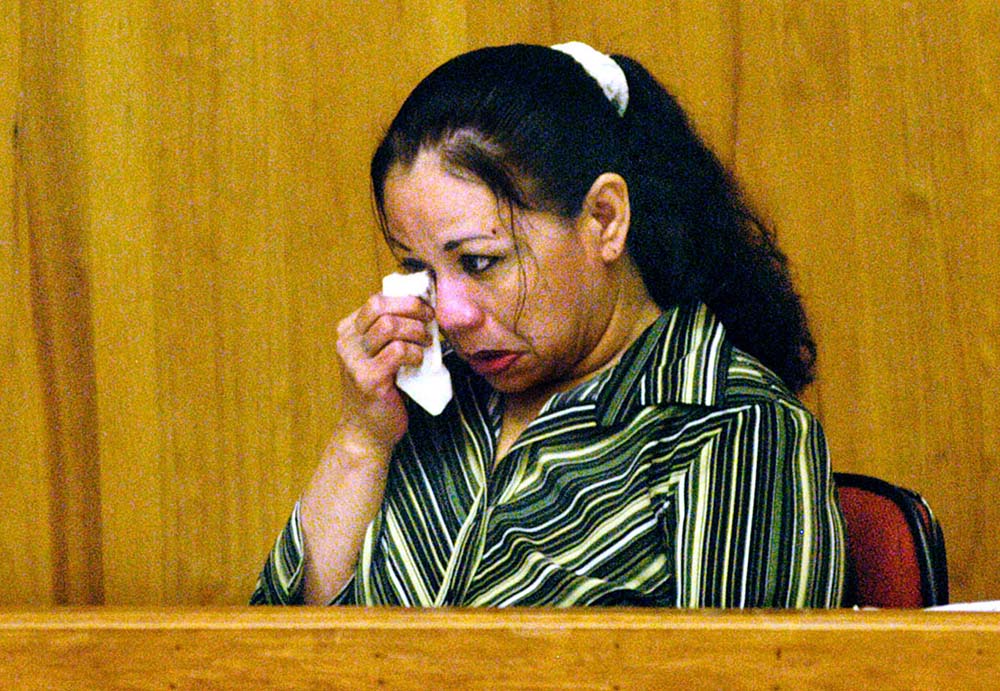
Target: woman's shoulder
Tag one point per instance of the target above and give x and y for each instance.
(750, 382)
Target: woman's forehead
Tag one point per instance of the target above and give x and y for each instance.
(425, 199)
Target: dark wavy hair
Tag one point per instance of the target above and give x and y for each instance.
(532, 125)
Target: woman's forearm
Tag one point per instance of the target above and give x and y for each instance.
(336, 508)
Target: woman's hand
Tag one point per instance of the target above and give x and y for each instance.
(373, 343)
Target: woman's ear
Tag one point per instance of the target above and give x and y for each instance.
(606, 216)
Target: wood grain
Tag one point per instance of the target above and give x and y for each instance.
(51, 226)
(186, 217)
(497, 649)
(25, 533)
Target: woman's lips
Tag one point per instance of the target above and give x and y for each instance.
(492, 362)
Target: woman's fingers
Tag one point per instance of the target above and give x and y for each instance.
(381, 336)
(383, 320)
(379, 306)
(398, 353)
(390, 329)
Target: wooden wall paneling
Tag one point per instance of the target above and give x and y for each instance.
(301, 200)
(792, 127)
(980, 227)
(320, 70)
(271, 464)
(886, 169)
(980, 27)
(846, 133)
(496, 22)
(203, 275)
(123, 145)
(432, 31)
(221, 316)
(969, 208)
(309, 98)
(53, 181)
(952, 443)
(25, 531)
(911, 177)
(194, 287)
(160, 411)
(251, 315)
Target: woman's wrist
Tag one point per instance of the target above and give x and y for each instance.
(354, 447)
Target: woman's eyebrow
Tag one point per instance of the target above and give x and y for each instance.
(453, 245)
(450, 245)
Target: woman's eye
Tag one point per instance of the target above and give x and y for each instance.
(474, 264)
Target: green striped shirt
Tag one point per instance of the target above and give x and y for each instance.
(686, 475)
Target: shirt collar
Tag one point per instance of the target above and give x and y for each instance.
(682, 359)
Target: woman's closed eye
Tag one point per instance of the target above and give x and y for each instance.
(476, 264)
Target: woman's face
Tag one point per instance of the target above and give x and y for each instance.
(524, 309)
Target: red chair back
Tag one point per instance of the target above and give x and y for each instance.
(895, 544)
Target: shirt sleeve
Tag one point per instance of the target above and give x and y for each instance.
(754, 522)
(280, 581)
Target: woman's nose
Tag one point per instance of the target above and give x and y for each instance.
(456, 310)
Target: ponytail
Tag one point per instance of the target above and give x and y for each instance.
(694, 238)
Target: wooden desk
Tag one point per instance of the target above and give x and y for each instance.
(353, 648)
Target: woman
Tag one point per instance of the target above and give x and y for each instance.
(625, 344)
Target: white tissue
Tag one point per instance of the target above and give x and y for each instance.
(430, 383)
